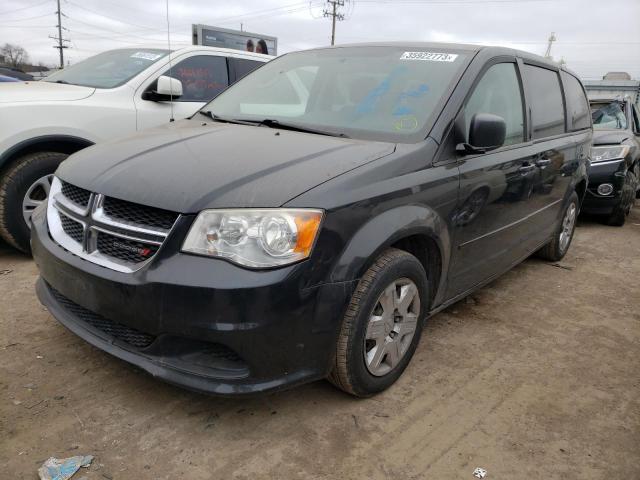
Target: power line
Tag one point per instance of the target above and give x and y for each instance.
(449, 2)
(24, 8)
(333, 13)
(120, 33)
(29, 18)
(146, 27)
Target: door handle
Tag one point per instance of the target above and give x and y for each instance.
(543, 162)
(526, 168)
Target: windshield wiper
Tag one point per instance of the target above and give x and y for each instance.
(62, 81)
(269, 122)
(218, 118)
(272, 123)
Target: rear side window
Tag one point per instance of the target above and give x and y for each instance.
(244, 67)
(498, 93)
(547, 107)
(203, 77)
(577, 104)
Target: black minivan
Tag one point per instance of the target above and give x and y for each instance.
(308, 219)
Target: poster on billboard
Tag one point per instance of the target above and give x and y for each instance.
(235, 39)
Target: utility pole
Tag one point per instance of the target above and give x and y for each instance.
(60, 46)
(334, 16)
(552, 39)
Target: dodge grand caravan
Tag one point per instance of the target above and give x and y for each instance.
(285, 234)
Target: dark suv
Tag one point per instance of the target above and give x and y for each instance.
(308, 219)
(614, 175)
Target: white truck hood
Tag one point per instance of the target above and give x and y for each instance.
(12, 92)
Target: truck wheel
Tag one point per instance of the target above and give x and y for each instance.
(618, 217)
(558, 246)
(24, 186)
(382, 326)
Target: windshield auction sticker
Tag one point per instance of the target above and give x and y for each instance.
(429, 56)
(147, 55)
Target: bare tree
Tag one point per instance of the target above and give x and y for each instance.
(14, 55)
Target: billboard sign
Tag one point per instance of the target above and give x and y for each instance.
(235, 39)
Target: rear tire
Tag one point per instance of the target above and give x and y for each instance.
(397, 281)
(20, 178)
(559, 244)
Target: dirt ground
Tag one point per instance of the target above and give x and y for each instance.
(536, 376)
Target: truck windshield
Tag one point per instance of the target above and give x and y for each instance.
(108, 69)
(383, 93)
(608, 116)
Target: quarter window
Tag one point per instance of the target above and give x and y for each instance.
(498, 93)
(547, 107)
(203, 77)
(577, 105)
(244, 67)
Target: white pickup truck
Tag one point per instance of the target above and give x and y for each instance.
(112, 94)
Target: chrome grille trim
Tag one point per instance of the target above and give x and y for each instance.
(94, 222)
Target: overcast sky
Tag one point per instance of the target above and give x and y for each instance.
(593, 36)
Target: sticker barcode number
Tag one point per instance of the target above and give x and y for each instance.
(429, 56)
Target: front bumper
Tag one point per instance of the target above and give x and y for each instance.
(201, 323)
(612, 172)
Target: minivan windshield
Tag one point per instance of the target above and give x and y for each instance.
(608, 116)
(108, 69)
(384, 93)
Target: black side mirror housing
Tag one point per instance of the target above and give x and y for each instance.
(154, 96)
(486, 132)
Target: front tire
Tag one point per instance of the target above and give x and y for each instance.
(24, 186)
(559, 244)
(382, 326)
(618, 217)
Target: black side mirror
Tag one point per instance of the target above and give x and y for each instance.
(163, 89)
(486, 132)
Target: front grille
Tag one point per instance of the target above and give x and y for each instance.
(124, 249)
(72, 228)
(77, 195)
(107, 231)
(133, 337)
(139, 214)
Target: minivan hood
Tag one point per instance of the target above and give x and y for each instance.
(43, 91)
(189, 166)
(609, 137)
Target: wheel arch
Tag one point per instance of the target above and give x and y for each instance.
(581, 189)
(416, 229)
(46, 143)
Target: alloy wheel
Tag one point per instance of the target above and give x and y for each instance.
(391, 326)
(36, 194)
(568, 224)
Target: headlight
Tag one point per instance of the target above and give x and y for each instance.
(259, 238)
(613, 152)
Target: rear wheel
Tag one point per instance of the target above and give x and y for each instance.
(382, 326)
(558, 246)
(23, 187)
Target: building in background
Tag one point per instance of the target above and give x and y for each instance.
(235, 39)
(614, 84)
